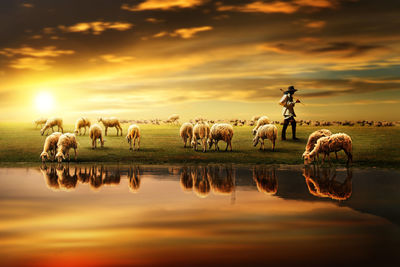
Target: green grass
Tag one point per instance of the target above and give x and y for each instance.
(22, 143)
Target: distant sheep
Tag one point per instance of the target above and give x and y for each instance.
(221, 131)
(268, 131)
(174, 118)
(313, 138)
(260, 122)
(64, 144)
(50, 146)
(95, 132)
(110, 122)
(50, 123)
(133, 135)
(186, 132)
(200, 131)
(40, 122)
(333, 143)
(82, 123)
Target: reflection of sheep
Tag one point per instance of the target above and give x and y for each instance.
(268, 131)
(134, 178)
(50, 123)
(222, 184)
(186, 132)
(111, 177)
(40, 122)
(50, 146)
(200, 131)
(186, 180)
(221, 131)
(133, 135)
(265, 179)
(65, 143)
(66, 180)
(96, 177)
(110, 122)
(333, 143)
(95, 132)
(313, 138)
(81, 123)
(200, 182)
(261, 121)
(50, 176)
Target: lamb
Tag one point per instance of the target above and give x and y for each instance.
(313, 138)
(332, 143)
(133, 134)
(221, 131)
(200, 131)
(95, 132)
(82, 123)
(268, 131)
(186, 132)
(40, 122)
(64, 144)
(110, 122)
(50, 123)
(261, 121)
(50, 146)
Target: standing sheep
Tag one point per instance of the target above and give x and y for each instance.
(50, 146)
(133, 134)
(64, 144)
(40, 122)
(221, 131)
(261, 121)
(268, 131)
(50, 123)
(186, 132)
(201, 131)
(110, 122)
(82, 123)
(174, 118)
(313, 138)
(333, 143)
(95, 132)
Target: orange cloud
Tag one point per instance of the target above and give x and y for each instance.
(96, 27)
(111, 58)
(162, 4)
(317, 3)
(31, 63)
(154, 20)
(316, 24)
(187, 33)
(48, 51)
(262, 7)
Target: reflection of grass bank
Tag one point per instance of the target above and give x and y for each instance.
(161, 144)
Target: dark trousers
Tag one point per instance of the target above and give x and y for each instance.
(286, 122)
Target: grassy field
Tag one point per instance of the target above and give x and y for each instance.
(22, 143)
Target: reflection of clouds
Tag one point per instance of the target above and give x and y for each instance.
(134, 178)
(265, 179)
(322, 183)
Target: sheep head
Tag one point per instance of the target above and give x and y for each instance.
(41, 131)
(308, 158)
(44, 156)
(255, 140)
(254, 131)
(100, 119)
(210, 142)
(60, 157)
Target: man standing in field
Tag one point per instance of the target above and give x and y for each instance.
(288, 112)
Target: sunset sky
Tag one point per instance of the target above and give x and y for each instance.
(218, 59)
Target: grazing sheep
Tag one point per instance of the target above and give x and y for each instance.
(50, 123)
(261, 121)
(200, 131)
(313, 138)
(50, 146)
(186, 132)
(255, 118)
(40, 122)
(174, 118)
(268, 131)
(95, 132)
(221, 131)
(82, 123)
(133, 134)
(333, 143)
(110, 122)
(64, 144)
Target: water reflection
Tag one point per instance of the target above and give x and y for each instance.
(134, 178)
(266, 180)
(321, 182)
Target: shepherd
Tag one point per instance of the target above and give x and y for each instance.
(288, 111)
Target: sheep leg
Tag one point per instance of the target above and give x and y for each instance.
(273, 145)
(130, 144)
(184, 140)
(336, 155)
(230, 144)
(62, 129)
(120, 128)
(84, 133)
(227, 144)
(76, 154)
(349, 157)
(138, 143)
(134, 143)
(93, 143)
(52, 129)
(105, 131)
(117, 130)
(216, 145)
(204, 144)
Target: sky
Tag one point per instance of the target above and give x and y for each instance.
(216, 59)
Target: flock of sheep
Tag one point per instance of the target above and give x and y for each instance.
(58, 144)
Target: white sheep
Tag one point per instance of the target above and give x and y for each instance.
(200, 131)
(133, 135)
(313, 138)
(260, 122)
(267, 131)
(95, 132)
(50, 123)
(82, 122)
(186, 132)
(221, 131)
(64, 144)
(333, 143)
(50, 146)
(174, 118)
(110, 122)
(40, 122)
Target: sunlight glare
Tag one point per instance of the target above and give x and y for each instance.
(44, 101)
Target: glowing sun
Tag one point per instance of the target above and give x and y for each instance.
(44, 101)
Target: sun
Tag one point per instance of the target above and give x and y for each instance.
(44, 102)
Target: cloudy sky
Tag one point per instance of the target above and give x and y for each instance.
(219, 59)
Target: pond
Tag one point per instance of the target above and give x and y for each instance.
(213, 215)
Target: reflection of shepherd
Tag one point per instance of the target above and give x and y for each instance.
(288, 111)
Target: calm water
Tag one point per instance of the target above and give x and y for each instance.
(198, 216)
